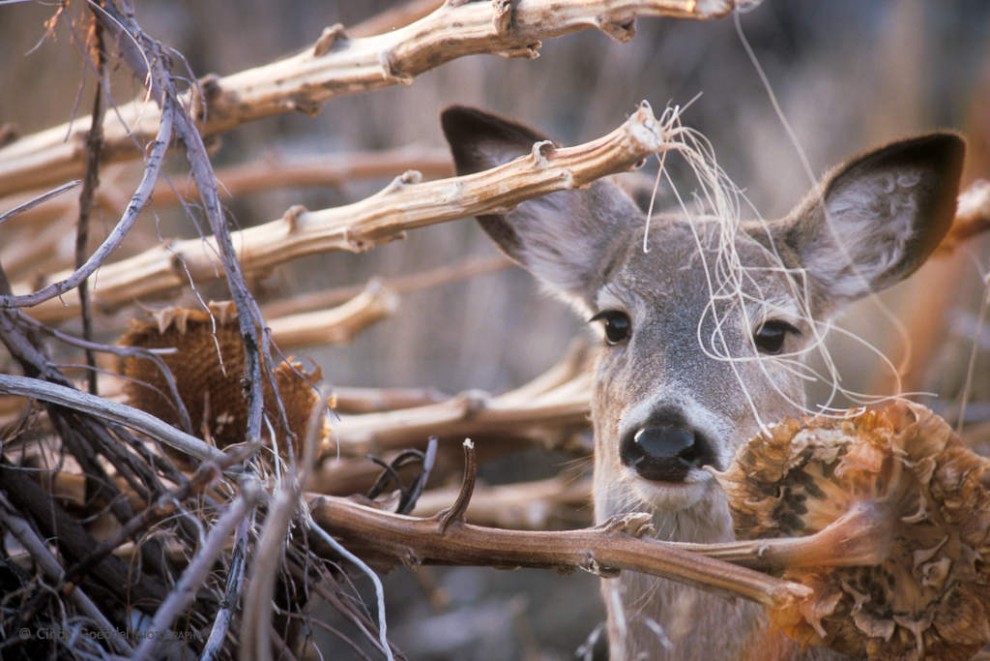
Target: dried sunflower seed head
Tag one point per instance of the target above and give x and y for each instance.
(921, 588)
(208, 368)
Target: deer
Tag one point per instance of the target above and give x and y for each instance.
(686, 374)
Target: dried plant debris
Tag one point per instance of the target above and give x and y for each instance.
(207, 364)
(926, 592)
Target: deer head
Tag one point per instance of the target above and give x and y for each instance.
(703, 334)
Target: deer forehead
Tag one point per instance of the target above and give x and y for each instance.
(692, 270)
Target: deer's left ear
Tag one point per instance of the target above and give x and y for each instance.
(873, 221)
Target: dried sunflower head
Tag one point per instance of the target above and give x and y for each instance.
(921, 588)
(208, 368)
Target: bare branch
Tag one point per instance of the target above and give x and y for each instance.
(375, 400)
(107, 410)
(36, 199)
(404, 284)
(336, 65)
(402, 206)
(269, 173)
(100, 255)
(601, 550)
(473, 414)
(337, 325)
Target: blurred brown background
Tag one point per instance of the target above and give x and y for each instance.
(847, 74)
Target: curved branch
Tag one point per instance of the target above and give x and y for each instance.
(119, 413)
(605, 549)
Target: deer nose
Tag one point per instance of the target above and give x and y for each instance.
(665, 453)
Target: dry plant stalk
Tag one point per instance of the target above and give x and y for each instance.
(404, 205)
(337, 65)
(551, 409)
(467, 268)
(336, 325)
(270, 173)
(901, 509)
(621, 543)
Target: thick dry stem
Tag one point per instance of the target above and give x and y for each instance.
(337, 325)
(404, 205)
(600, 550)
(337, 65)
(475, 415)
(861, 537)
(272, 172)
(107, 410)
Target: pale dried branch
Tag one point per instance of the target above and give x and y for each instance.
(337, 325)
(270, 173)
(404, 284)
(35, 239)
(403, 205)
(615, 545)
(139, 199)
(504, 419)
(373, 400)
(327, 171)
(336, 65)
(22, 208)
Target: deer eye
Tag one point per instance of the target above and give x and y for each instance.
(769, 337)
(618, 327)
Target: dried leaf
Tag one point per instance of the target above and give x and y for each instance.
(208, 367)
(926, 598)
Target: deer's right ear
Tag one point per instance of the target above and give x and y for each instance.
(875, 220)
(564, 238)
